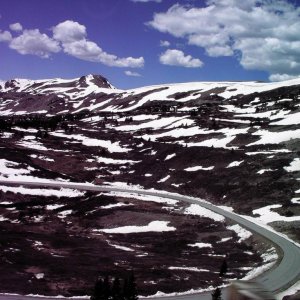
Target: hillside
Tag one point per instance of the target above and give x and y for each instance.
(235, 144)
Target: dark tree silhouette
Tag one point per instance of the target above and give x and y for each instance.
(224, 267)
(131, 289)
(125, 289)
(98, 290)
(216, 294)
(106, 288)
(103, 290)
(116, 291)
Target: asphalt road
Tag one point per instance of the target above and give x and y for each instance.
(277, 279)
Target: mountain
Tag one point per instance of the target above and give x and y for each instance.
(235, 144)
(93, 93)
(225, 129)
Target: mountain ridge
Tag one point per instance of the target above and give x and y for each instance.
(93, 93)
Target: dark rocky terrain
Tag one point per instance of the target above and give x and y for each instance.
(233, 144)
(54, 238)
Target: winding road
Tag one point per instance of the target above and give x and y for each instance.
(283, 275)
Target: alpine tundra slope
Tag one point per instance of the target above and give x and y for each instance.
(275, 280)
(234, 144)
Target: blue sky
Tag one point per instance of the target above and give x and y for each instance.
(143, 42)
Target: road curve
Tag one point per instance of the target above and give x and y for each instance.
(277, 279)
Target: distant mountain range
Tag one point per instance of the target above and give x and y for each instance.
(94, 93)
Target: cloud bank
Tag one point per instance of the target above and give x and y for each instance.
(262, 34)
(16, 27)
(34, 42)
(73, 38)
(173, 57)
(68, 36)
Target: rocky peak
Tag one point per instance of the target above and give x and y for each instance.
(98, 80)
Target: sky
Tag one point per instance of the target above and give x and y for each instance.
(135, 43)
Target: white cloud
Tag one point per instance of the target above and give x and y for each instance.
(16, 27)
(282, 77)
(263, 34)
(73, 37)
(5, 36)
(165, 43)
(174, 57)
(69, 31)
(216, 51)
(133, 74)
(34, 42)
(69, 36)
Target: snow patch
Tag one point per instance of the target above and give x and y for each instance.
(242, 233)
(91, 142)
(193, 169)
(265, 170)
(170, 156)
(108, 161)
(292, 119)
(196, 209)
(120, 247)
(294, 166)
(164, 179)
(192, 269)
(266, 215)
(268, 137)
(53, 206)
(64, 213)
(39, 275)
(235, 164)
(63, 192)
(270, 257)
(109, 206)
(155, 226)
(201, 245)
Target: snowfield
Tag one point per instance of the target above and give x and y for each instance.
(193, 169)
(198, 210)
(294, 166)
(266, 215)
(268, 137)
(63, 192)
(90, 142)
(155, 226)
(201, 245)
(240, 231)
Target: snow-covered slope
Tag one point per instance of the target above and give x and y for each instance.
(235, 144)
(92, 82)
(193, 128)
(93, 93)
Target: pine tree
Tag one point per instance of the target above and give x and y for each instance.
(130, 290)
(216, 294)
(223, 269)
(98, 290)
(106, 289)
(116, 292)
(103, 290)
(125, 289)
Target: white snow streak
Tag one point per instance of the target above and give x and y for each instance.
(195, 209)
(201, 245)
(242, 233)
(194, 169)
(155, 226)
